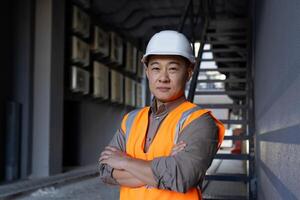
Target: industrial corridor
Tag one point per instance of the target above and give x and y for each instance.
(79, 75)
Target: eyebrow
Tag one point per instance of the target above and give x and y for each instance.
(171, 62)
(153, 63)
(174, 62)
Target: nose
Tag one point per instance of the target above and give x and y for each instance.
(164, 77)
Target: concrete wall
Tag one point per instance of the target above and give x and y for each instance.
(22, 63)
(32, 56)
(277, 98)
(5, 75)
(98, 124)
(47, 129)
(16, 75)
(88, 128)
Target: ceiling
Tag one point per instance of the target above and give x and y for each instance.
(140, 19)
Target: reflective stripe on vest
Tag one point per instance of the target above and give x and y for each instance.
(185, 115)
(183, 118)
(129, 122)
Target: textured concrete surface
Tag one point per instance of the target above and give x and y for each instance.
(227, 188)
(91, 189)
(277, 98)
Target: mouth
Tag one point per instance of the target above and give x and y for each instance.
(163, 89)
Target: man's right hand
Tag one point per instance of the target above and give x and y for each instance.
(178, 147)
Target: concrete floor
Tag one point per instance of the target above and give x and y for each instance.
(91, 189)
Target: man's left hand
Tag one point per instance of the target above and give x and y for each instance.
(113, 157)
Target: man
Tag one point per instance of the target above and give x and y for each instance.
(163, 151)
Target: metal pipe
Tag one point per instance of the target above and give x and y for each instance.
(184, 15)
(12, 147)
(192, 20)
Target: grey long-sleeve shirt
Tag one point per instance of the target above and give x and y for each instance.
(187, 168)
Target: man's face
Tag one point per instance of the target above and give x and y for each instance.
(167, 76)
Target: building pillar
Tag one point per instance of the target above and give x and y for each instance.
(48, 87)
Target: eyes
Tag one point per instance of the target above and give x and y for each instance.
(171, 68)
(155, 68)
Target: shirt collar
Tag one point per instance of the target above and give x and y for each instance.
(166, 107)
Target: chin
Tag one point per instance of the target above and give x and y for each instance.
(164, 98)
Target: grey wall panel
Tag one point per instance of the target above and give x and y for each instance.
(48, 88)
(279, 162)
(277, 98)
(5, 74)
(98, 123)
(269, 192)
(22, 63)
(16, 72)
(57, 80)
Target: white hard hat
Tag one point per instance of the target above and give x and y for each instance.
(169, 42)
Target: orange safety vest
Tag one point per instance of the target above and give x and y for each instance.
(135, 125)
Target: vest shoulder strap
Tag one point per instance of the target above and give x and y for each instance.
(129, 121)
(132, 114)
(183, 118)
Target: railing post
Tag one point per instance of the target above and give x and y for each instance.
(184, 15)
(193, 84)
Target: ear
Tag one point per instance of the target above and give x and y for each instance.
(190, 72)
(146, 70)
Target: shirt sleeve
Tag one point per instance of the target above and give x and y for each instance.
(187, 168)
(105, 170)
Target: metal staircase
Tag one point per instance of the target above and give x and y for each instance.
(227, 39)
(230, 48)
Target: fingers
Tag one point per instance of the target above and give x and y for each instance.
(104, 161)
(178, 147)
(103, 158)
(108, 151)
(105, 154)
(111, 148)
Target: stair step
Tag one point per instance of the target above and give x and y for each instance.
(231, 69)
(235, 137)
(226, 34)
(223, 60)
(227, 177)
(234, 27)
(225, 197)
(233, 121)
(232, 106)
(226, 156)
(226, 50)
(232, 93)
(231, 80)
(227, 24)
(226, 42)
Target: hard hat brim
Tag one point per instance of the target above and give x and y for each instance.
(144, 59)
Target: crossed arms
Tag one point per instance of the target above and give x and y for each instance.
(129, 171)
(183, 169)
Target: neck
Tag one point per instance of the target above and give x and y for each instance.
(159, 103)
